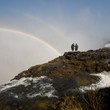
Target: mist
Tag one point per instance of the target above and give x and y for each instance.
(19, 52)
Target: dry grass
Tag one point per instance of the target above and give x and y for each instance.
(69, 103)
(93, 101)
(89, 101)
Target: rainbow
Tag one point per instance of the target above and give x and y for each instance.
(31, 36)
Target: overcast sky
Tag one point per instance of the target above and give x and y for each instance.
(58, 23)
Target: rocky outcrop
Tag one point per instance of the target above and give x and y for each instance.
(43, 86)
(72, 63)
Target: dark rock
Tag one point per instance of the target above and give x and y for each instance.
(66, 73)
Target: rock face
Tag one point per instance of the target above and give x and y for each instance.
(41, 87)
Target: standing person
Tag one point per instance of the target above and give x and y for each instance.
(72, 47)
(76, 47)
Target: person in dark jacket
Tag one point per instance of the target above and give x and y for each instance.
(72, 47)
(76, 47)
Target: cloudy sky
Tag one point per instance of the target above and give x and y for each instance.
(36, 31)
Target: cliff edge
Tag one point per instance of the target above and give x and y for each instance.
(43, 86)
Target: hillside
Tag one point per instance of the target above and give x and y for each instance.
(47, 86)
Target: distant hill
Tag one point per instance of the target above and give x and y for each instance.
(50, 86)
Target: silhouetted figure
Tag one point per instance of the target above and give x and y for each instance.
(76, 47)
(72, 47)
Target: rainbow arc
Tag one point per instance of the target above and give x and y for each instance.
(33, 37)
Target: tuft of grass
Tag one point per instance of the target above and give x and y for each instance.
(93, 100)
(69, 103)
